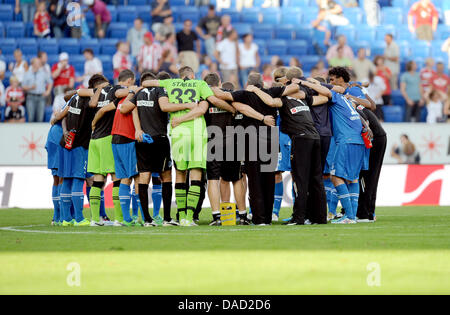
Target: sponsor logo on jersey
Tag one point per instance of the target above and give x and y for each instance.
(215, 110)
(298, 109)
(74, 110)
(103, 103)
(145, 103)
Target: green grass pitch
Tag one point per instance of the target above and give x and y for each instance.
(406, 251)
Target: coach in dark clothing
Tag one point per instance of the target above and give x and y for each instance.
(368, 180)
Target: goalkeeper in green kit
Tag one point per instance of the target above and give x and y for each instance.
(189, 136)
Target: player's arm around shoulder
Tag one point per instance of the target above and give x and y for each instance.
(219, 103)
(265, 97)
(168, 107)
(195, 113)
(223, 95)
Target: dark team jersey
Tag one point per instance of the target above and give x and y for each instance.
(79, 118)
(320, 113)
(153, 120)
(218, 117)
(104, 125)
(374, 123)
(296, 118)
(251, 99)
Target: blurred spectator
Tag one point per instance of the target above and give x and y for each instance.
(412, 92)
(188, 46)
(206, 66)
(392, 59)
(167, 64)
(423, 19)
(122, 59)
(330, 15)
(15, 114)
(160, 9)
(340, 60)
(447, 108)
(102, 16)
(319, 70)
(248, 57)
(426, 74)
(347, 51)
(14, 93)
(362, 66)
(170, 44)
(225, 28)
(28, 8)
(207, 29)
(372, 10)
(63, 75)
(92, 65)
(2, 66)
(275, 61)
(349, 3)
(42, 55)
(440, 81)
(149, 54)
(41, 21)
(267, 75)
(376, 90)
(294, 62)
(19, 67)
(384, 72)
(38, 85)
(435, 100)
(57, 10)
(164, 28)
(446, 48)
(227, 56)
(406, 153)
(2, 94)
(135, 36)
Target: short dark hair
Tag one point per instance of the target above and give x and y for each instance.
(163, 75)
(228, 86)
(88, 50)
(96, 79)
(40, 53)
(125, 75)
(185, 71)
(212, 79)
(409, 65)
(340, 72)
(147, 75)
(212, 7)
(255, 79)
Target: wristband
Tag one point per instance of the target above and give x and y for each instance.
(131, 92)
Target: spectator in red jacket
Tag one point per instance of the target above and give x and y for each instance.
(423, 19)
(440, 81)
(63, 75)
(42, 21)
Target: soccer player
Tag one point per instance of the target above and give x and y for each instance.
(349, 154)
(75, 144)
(218, 166)
(153, 158)
(189, 137)
(101, 158)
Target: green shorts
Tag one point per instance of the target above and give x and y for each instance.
(101, 158)
(189, 146)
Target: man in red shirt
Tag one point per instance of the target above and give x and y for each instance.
(440, 81)
(426, 74)
(423, 19)
(63, 75)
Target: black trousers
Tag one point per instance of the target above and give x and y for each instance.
(308, 183)
(261, 188)
(324, 148)
(368, 180)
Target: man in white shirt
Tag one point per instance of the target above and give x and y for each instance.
(227, 55)
(392, 59)
(375, 91)
(92, 66)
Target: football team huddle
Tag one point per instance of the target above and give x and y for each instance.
(213, 135)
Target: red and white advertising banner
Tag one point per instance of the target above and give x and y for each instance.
(30, 187)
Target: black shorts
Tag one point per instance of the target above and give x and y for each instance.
(229, 171)
(154, 157)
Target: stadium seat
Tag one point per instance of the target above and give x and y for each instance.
(308, 62)
(178, 26)
(234, 14)
(265, 60)
(442, 32)
(392, 15)
(295, 3)
(52, 59)
(6, 12)
(143, 12)
(242, 28)
(177, 2)
(277, 47)
(360, 44)
(354, 15)
(2, 113)
(250, 15)
(2, 30)
(377, 48)
(126, 14)
(28, 46)
(106, 62)
(291, 16)
(69, 45)
(77, 61)
(365, 32)
(297, 47)
(382, 30)
(113, 11)
(309, 14)
(137, 2)
(48, 113)
(263, 31)
(393, 113)
(90, 43)
(49, 45)
(8, 45)
(29, 30)
(420, 49)
(118, 30)
(304, 32)
(397, 98)
(90, 17)
(286, 59)
(348, 31)
(261, 46)
(189, 13)
(108, 46)
(403, 4)
(403, 33)
(284, 31)
(271, 16)
(15, 30)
